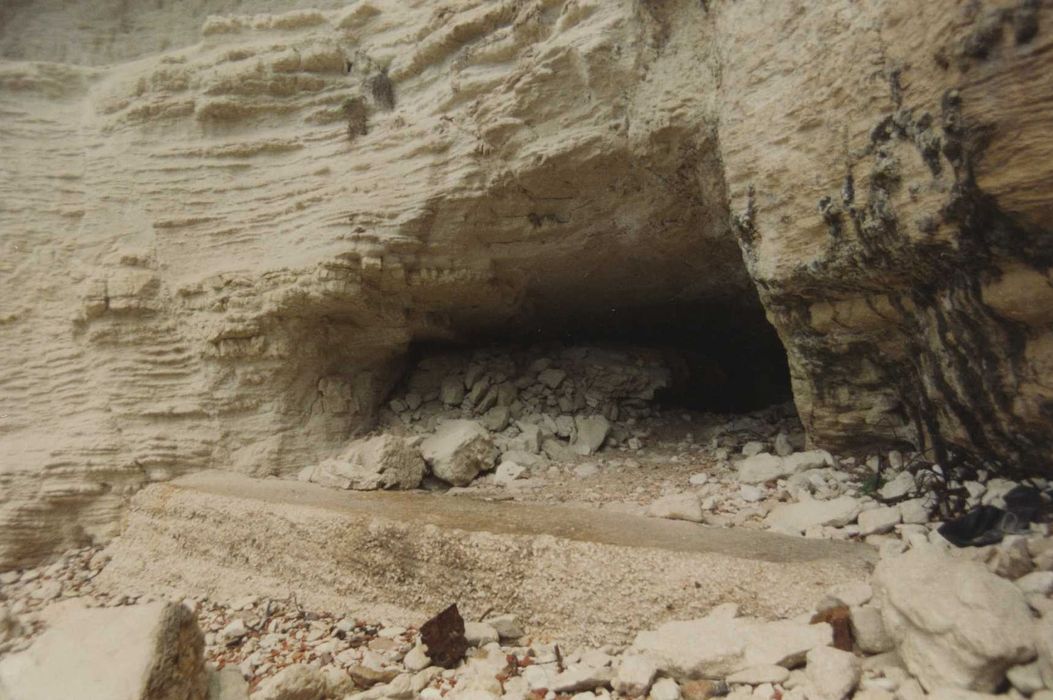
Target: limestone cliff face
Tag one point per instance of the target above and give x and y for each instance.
(222, 225)
(890, 166)
(216, 255)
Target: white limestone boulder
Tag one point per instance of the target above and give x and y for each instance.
(227, 684)
(802, 516)
(591, 433)
(458, 451)
(832, 673)
(868, 629)
(720, 645)
(381, 462)
(761, 467)
(897, 487)
(954, 623)
(142, 652)
(878, 521)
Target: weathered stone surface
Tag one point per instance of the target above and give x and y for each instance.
(755, 675)
(868, 630)
(296, 682)
(665, 689)
(406, 555)
(480, 633)
(954, 623)
(507, 626)
(458, 451)
(798, 517)
(878, 520)
(592, 432)
(635, 675)
(682, 506)
(760, 467)
(833, 673)
(718, 646)
(144, 652)
(10, 627)
(381, 462)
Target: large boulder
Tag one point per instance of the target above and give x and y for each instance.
(144, 652)
(459, 450)
(720, 645)
(953, 622)
(381, 462)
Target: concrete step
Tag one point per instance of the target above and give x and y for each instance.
(574, 573)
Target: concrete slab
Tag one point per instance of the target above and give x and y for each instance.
(577, 574)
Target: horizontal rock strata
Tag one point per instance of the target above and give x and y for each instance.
(574, 573)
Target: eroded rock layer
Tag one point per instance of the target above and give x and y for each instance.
(224, 224)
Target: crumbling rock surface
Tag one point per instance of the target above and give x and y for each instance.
(224, 226)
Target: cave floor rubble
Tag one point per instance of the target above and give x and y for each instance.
(716, 555)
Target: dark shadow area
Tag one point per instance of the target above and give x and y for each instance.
(723, 360)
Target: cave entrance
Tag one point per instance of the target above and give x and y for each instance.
(626, 364)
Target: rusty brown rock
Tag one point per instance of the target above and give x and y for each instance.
(444, 637)
(840, 620)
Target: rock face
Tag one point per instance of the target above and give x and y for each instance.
(381, 462)
(226, 230)
(146, 652)
(953, 623)
(889, 232)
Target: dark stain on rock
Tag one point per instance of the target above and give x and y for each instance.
(979, 43)
(839, 619)
(745, 223)
(382, 90)
(356, 112)
(1025, 21)
(955, 385)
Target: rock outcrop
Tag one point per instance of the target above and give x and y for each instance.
(889, 172)
(222, 232)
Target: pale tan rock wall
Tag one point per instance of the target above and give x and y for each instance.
(220, 251)
(220, 231)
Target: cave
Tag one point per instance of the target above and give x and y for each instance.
(509, 349)
(722, 360)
